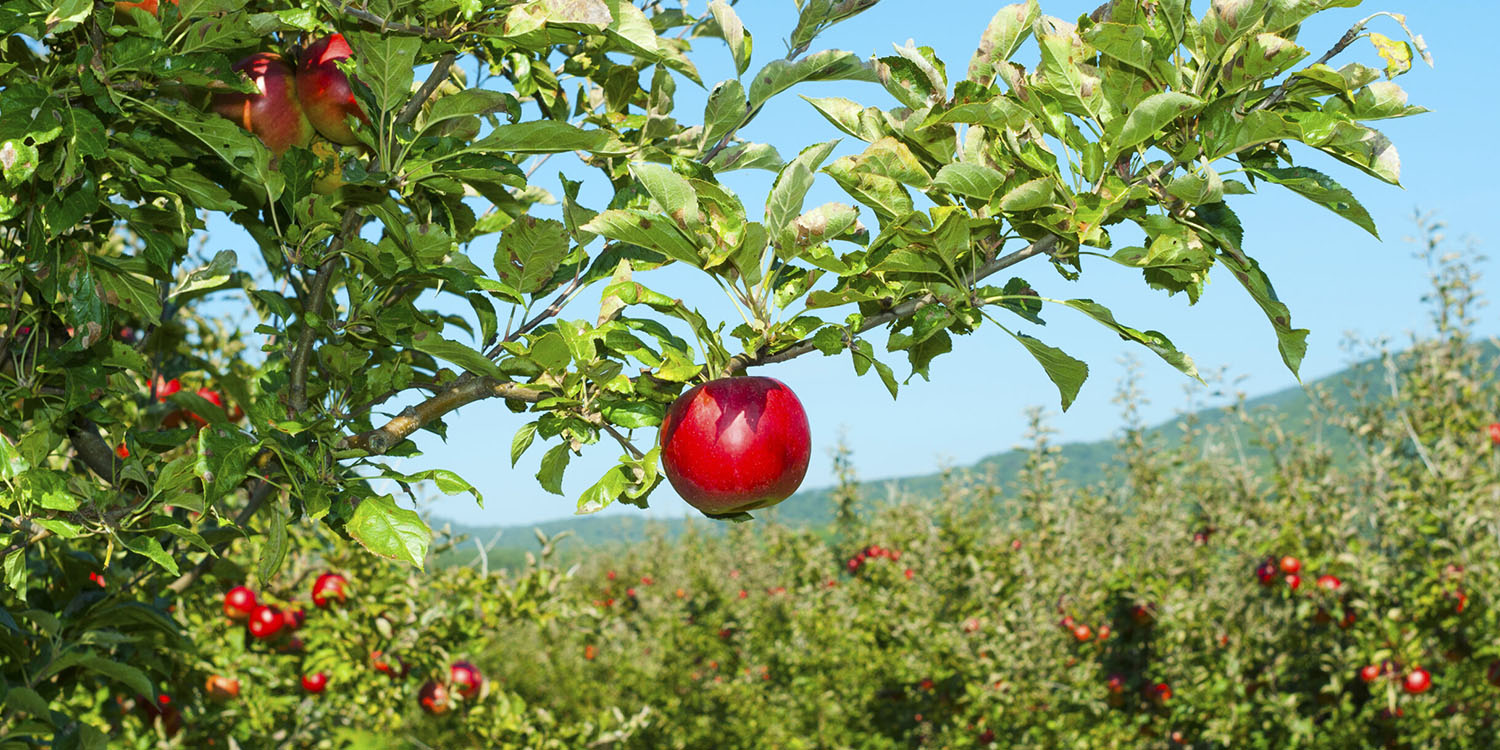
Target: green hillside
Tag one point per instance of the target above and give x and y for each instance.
(1084, 463)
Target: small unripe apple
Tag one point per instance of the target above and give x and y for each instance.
(222, 688)
(1417, 681)
(328, 587)
(266, 622)
(433, 697)
(315, 683)
(465, 678)
(239, 602)
(274, 114)
(324, 90)
(736, 444)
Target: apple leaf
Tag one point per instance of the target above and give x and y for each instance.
(829, 65)
(124, 674)
(522, 441)
(274, 548)
(1008, 28)
(790, 189)
(468, 103)
(1153, 114)
(724, 112)
(554, 463)
(390, 531)
(150, 548)
(1064, 371)
(648, 230)
(387, 64)
(1292, 342)
(529, 252)
(734, 34)
(548, 137)
(1322, 190)
(970, 180)
(747, 156)
(671, 191)
(1153, 340)
(458, 354)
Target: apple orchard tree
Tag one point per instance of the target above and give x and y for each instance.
(136, 429)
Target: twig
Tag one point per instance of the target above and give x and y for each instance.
(440, 70)
(556, 307)
(467, 389)
(1347, 39)
(404, 28)
(622, 440)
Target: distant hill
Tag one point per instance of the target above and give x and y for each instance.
(1084, 463)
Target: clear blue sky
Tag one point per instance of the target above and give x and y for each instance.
(1335, 278)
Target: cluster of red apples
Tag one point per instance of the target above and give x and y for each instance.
(872, 552)
(266, 623)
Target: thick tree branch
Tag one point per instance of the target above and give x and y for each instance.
(467, 389)
(740, 362)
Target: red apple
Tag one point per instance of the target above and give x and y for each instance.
(221, 688)
(1266, 572)
(1417, 681)
(1115, 683)
(1293, 581)
(433, 697)
(1082, 633)
(324, 90)
(293, 618)
(1161, 692)
(273, 114)
(1329, 583)
(1494, 430)
(150, 6)
(239, 602)
(328, 587)
(1290, 564)
(1493, 673)
(1369, 673)
(170, 715)
(736, 444)
(315, 683)
(265, 622)
(465, 678)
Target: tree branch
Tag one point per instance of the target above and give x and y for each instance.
(428, 32)
(440, 70)
(467, 389)
(1343, 43)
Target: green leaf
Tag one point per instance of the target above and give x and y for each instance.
(724, 113)
(1153, 114)
(210, 276)
(1004, 35)
(631, 30)
(1065, 372)
(127, 291)
(1153, 340)
(647, 230)
(671, 191)
(471, 361)
(124, 674)
(818, 15)
(548, 137)
(829, 65)
(971, 180)
(466, 103)
(790, 189)
(1322, 190)
(522, 441)
(390, 531)
(733, 30)
(554, 463)
(529, 251)
(387, 64)
(1292, 342)
(273, 550)
(152, 550)
(22, 698)
(1029, 195)
(15, 572)
(747, 156)
(66, 15)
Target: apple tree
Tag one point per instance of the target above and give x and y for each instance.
(403, 250)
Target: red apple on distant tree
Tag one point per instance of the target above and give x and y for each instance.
(222, 688)
(1417, 681)
(433, 697)
(1266, 573)
(1494, 430)
(1329, 583)
(1290, 564)
(170, 715)
(1293, 581)
(1369, 672)
(239, 603)
(1082, 633)
(736, 444)
(324, 90)
(1161, 692)
(328, 587)
(273, 114)
(1493, 673)
(266, 622)
(465, 678)
(315, 683)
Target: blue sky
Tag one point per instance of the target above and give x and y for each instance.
(1336, 279)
